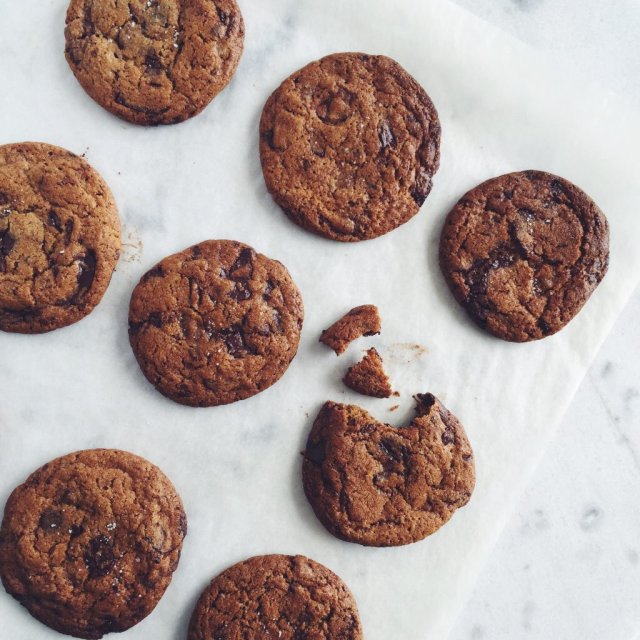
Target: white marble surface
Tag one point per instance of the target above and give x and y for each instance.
(238, 467)
(568, 563)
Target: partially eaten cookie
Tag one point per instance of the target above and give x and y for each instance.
(378, 485)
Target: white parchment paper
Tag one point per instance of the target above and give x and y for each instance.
(237, 467)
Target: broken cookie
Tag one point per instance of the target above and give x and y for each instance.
(368, 377)
(360, 321)
(378, 485)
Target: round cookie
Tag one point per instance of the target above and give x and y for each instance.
(523, 252)
(349, 146)
(154, 61)
(90, 541)
(215, 323)
(59, 237)
(284, 597)
(383, 486)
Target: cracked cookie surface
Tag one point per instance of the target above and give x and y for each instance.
(285, 597)
(59, 237)
(522, 253)
(154, 61)
(349, 146)
(90, 541)
(215, 323)
(382, 486)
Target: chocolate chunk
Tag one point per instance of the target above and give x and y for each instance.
(98, 556)
(50, 520)
(421, 187)
(155, 319)
(233, 338)
(156, 272)
(245, 259)
(7, 242)
(152, 61)
(54, 220)
(68, 230)
(448, 436)
(268, 288)
(316, 451)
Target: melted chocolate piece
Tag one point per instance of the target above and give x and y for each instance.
(50, 520)
(98, 556)
(54, 220)
(316, 452)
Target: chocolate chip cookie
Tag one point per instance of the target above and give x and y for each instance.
(154, 61)
(360, 321)
(382, 486)
(284, 597)
(349, 146)
(90, 541)
(368, 376)
(523, 253)
(59, 237)
(215, 323)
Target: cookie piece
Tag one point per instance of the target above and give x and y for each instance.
(349, 146)
(59, 237)
(383, 486)
(154, 61)
(90, 541)
(522, 253)
(368, 376)
(215, 323)
(360, 321)
(284, 597)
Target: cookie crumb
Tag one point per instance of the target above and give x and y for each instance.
(360, 321)
(394, 408)
(368, 376)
